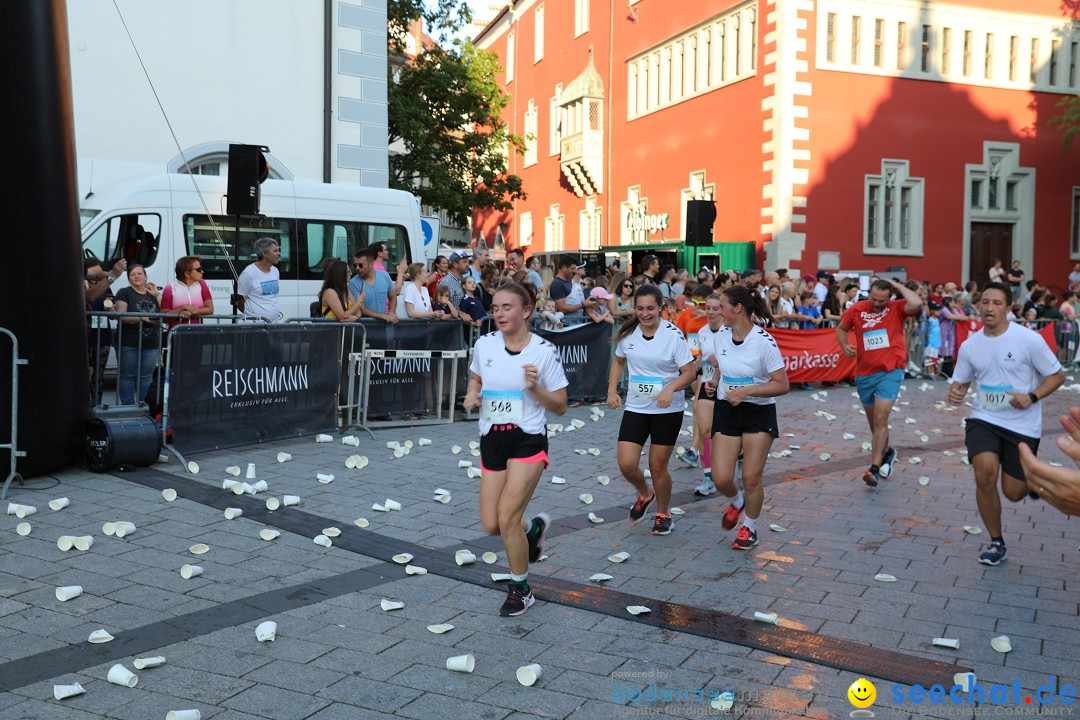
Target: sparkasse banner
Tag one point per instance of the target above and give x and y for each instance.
(813, 355)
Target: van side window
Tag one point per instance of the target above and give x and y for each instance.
(322, 239)
(200, 239)
(133, 237)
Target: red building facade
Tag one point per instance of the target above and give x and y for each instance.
(838, 134)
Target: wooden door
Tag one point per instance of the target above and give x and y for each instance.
(989, 242)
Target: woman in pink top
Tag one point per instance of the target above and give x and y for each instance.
(188, 296)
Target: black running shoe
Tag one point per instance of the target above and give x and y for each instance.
(887, 463)
(518, 600)
(662, 525)
(535, 548)
(638, 511)
(994, 554)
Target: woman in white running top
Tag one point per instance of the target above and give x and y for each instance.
(661, 367)
(516, 376)
(750, 376)
(703, 404)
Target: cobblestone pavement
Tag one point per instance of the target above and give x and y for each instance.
(339, 655)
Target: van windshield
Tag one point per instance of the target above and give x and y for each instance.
(200, 239)
(86, 216)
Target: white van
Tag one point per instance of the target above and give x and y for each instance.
(155, 220)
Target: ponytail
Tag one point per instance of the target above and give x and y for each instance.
(631, 323)
(753, 304)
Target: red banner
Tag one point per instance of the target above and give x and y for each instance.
(967, 327)
(813, 355)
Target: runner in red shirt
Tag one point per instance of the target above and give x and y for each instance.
(880, 358)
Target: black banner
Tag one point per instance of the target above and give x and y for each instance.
(232, 385)
(408, 385)
(586, 357)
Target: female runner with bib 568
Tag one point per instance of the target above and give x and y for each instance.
(661, 368)
(516, 376)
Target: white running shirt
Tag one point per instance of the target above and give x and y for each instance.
(652, 364)
(1014, 361)
(705, 337)
(751, 362)
(502, 378)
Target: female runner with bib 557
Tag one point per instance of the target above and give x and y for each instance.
(751, 375)
(661, 368)
(516, 376)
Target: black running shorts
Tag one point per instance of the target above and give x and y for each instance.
(510, 442)
(663, 428)
(744, 418)
(981, 436)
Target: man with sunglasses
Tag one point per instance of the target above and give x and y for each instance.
(380, 297)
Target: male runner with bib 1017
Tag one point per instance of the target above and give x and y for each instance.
(1013, 369)
(880, 358)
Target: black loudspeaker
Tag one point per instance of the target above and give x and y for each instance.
(700, 216)
(247, 170)
(111, 442)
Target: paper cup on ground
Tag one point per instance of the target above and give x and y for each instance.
(946, 642)
(461, 663)
(272, 503)
(500, 577)
(23, 528)
(464, 463)
(148, 662)
(83, 543)
(123, 529)
(169, 494)
(423, 441)
(391, 504)
(1001, 643)
(25, 511)
(65, 542)
(388, 605)
(183, 715)
(351, 440)
(489, 557)
(233, 513)
(766, 617)
(619, 557)
(324, 478)
(193, 467)
(455, 449)
(464, 557)
(258, 487)
(62, 692)
(190, 571)
(100, 636)
(108, 528)
(964, 680)
(250, 475)
(323, 540)
(885, 577)
(637, 609)
(527, 675)
(324, 438)
(290, 500)
(12, 507)
(68, 592)
(440, 628)
(284, 457)
(268, 534)
(378, 508)
(120, 675)
(402, 558)
(415, 570)
(599, 577)
(241, 488)
(594, 518)
(228, 484)
(585, 498)
(331, 532)
(266, 631)
(59, 504)
(233, 470)
(361, 522)
(199, 549)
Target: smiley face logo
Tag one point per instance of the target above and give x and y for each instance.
(862, 693)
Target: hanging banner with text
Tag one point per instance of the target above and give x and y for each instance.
(813, 355)
(586, 358)
(232, 385)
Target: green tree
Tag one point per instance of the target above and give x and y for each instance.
(445, 107)
(1068, 120)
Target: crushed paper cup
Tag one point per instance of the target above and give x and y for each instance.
(83, 543)
(169, 494)
(257, 487)
(120, 675)
(123, 529)
(266, 631)
(527, 675)
(972, 530)
(849, 436)
(24, 511)
(885, 577)
(192, 714)
(440, 628)
(378, 508)
(676, 510)
(489, 557)
(946, 642)
(474, 453)
(234, 470)
(323, 540)
(228, 484)
(148, 662)
(603, 479)
(415, 570)
(558, 480)
(324, 478)
(867, 447)
(910, 421)
(68, 592)
(464, 557)
(288, 500)
(59, 503)
(767, 617)
(777, 528)
(272, 503)
(402, 558)
(250, 474)
(199, 549)
(65, 542)
(599, 577)
(269, 534)
(190, 571)
(331, 532)
(391, 504)
(594, 518)
(585, 498)
(23, 529)
(915, 460)
(474, 472)
(464, 463)
(500, 577)
(100, 636)
(461, 663)
(580, 451)
(619, 557)
(825, 456)
(284, 457)
(62, 692)
(361, 522)
(233, 513)
(577, 423)
(388, 605)
(964, 680)
(1001, 643)
(351, 440)
(193, 467)
(324, 438)
(637, 609)
(423, 441)
(455, 449)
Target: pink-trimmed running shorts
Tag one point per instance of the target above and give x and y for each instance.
(510, 442)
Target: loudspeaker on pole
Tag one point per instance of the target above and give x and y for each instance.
(700, 216)
(247, 170)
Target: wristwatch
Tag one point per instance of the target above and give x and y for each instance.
(110, 279)
(1034, 397)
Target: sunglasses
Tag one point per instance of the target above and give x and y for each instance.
(358, 265)
(198, 269)
(629, 285)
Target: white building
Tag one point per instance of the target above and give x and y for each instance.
(306, 78)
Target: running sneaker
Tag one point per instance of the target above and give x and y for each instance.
(518, 600)
(662, 525)
(994, 553)
(871, 478)
(691, 457)
(535, 548)
(745, 540)
(705, 489)
(638, 511)
(885, 469)
(731, 516)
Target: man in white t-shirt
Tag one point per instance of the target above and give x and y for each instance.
(260, 283)
(1014, 369)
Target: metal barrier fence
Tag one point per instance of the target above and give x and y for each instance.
(12, 446)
